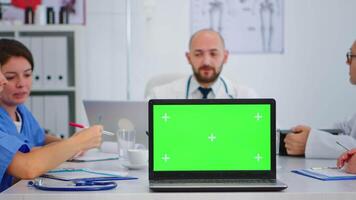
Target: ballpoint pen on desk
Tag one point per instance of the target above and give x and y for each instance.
(347, 149)
(82, 126)
(320, 168)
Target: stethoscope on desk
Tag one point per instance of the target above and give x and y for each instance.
(40, 184)
(222, 80)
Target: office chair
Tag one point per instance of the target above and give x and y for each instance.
(161, 79)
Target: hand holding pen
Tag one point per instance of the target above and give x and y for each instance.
(82, 126)
(345, 157)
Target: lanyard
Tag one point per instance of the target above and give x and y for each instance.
(190, 80)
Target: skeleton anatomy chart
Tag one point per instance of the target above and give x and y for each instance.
(248, 26)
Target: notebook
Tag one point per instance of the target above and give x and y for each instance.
(112, 114)
(212, 145)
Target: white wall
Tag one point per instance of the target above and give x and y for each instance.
(309, 80)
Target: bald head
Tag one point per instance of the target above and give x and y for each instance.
(206, 33)
(207, 55)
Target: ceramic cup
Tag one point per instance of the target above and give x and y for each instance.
(137, 156)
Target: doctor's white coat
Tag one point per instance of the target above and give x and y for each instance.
(321, 144)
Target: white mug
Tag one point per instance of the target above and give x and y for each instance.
(137, 156)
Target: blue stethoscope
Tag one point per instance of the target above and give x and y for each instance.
(222, 80)
(71, 186)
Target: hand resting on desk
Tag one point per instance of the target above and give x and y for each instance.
(296, 141)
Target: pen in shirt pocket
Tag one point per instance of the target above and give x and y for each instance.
(82, 126)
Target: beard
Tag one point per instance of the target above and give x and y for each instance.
(201, 78)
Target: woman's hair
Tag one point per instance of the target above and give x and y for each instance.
(12, 48)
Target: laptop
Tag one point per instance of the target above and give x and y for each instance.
(114, 114)
(213, 145)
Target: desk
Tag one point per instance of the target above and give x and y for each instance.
(299, 187)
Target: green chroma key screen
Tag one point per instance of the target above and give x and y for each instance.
(211, 137)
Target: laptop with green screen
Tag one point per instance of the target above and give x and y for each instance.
(215, 144)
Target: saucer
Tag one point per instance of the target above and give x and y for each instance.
(128, 165)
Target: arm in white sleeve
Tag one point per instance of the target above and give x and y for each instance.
(321, 144)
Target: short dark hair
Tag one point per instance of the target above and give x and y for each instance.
(12, 48)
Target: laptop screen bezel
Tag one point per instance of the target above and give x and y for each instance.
(234, 174)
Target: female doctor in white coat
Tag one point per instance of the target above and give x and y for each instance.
(319, 144)
(207, 55)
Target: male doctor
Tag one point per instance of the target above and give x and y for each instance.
(319, 144)
(207, 55)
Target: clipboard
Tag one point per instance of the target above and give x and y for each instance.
(84, 174)
(325, 174)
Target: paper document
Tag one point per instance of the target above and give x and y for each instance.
(326, 173)
(95, 155)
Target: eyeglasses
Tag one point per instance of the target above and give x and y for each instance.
(349, 56)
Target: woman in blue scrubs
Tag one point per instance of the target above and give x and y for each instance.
(25, 151)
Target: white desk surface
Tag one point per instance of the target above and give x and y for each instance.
(299, 187)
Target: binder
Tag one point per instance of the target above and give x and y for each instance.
(37, 52)
(55, 60)
(50, 113)
(48, 55)
(37, 109)
(25, 41)
(60, 73)
(62, 118)
(28, 103)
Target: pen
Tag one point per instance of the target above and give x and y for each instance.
(347, 149)
(332, 131)
(82, 126)
(319, 168)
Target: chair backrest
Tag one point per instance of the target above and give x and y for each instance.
(161, 79)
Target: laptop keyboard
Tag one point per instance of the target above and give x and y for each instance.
(238, 181)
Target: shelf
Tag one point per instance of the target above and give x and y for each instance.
(54, 98)
(69, 89)
(32, 28)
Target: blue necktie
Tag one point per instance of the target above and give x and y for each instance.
(204, 91)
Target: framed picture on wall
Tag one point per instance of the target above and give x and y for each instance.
(13, 11)
(248, 26)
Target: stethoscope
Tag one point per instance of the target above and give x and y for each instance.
(74, 185)
(222, 80)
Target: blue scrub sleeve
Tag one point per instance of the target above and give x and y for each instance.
(9, 145)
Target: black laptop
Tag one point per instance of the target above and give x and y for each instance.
(212, 145)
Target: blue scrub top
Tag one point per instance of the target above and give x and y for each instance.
(11, 141)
